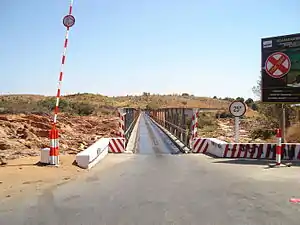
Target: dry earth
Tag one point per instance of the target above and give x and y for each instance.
(24, 135)
(23, 175)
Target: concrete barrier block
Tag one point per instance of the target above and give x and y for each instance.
(94, 154)
(217, 147)
(45, 155)
(116, 145)
(262, 151)
(200, 145)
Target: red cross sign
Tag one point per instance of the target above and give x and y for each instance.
(278, 65)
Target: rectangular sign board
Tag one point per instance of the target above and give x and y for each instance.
(280, 69)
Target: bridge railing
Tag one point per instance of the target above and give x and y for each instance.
(176, 120)
(130, 118)
(181, 122)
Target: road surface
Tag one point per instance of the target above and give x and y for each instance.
(157, 189)
(152, 140)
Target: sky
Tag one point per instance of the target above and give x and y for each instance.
(117, 47)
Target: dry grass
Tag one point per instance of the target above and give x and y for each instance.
(293, 133)
(100, 103)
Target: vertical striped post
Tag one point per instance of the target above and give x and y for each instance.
(194, 127)
(278, 147)
(121, 123)
(54, 148)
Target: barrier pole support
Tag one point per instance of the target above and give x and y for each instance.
(68, 22)
(278, 162)
(278, 147)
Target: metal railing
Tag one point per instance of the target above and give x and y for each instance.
(176, 120)
(131, 116)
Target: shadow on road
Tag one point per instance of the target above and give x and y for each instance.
(24, 164)
(264, 163)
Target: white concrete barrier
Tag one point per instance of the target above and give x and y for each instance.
(45, 155)
(93, 154)
(216, 147)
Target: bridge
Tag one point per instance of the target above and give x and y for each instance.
(163, 182)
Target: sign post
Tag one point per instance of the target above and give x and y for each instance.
(237, 109)
(236, 129)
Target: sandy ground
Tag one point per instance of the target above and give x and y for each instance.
(23, 175)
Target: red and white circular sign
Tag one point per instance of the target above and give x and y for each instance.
(69, 21)
(278, 65)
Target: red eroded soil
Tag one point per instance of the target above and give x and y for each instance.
(24, 135)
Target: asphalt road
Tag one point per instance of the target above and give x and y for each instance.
(156, 189)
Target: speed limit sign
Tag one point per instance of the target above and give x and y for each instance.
(237, 108)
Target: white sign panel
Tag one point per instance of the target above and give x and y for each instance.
(237, 108)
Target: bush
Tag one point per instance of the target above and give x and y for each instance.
(82, 109)
(254, 107)
(49, 105)
(293, 133)
(206, 119)
(262, 133)
(152, 105)
(224, 115)
(249, 102)
(240, 99)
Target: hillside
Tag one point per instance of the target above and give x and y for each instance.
(25, 119)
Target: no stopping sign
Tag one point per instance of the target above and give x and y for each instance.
(237, 108)
(69, 21)
(278, 65)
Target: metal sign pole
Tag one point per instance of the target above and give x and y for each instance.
(283, 123)
(237, 129)
(237, 109)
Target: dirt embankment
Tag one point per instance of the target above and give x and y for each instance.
(223, 129)
(24, 135)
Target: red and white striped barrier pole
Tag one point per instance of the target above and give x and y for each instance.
(278, 147)
(68, 22)
(194, 127)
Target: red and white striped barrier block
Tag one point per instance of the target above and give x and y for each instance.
(116, 145)
(223, 149)
(200, 145)
(261, 151)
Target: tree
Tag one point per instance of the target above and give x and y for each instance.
(152, 105)
(254, 107)
(249, 102)
(240, 99)
(215, 97)
(257, 88)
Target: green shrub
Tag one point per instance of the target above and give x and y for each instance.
(262, 133)
(49, 105)
(83, 109)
